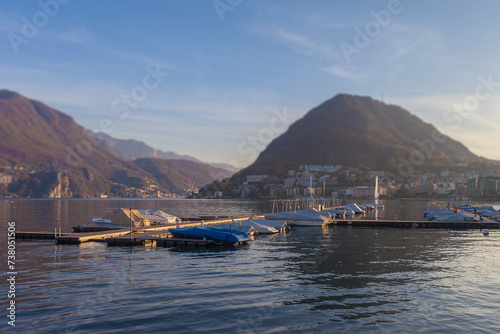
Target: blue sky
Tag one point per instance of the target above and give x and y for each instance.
(235, 73)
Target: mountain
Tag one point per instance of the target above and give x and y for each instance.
(180, 174)
(32, 132)
(131, 149)
(45, 153)
(359, 132)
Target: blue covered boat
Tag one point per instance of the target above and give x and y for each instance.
(219, 235)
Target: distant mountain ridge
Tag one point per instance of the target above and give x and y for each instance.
(356, 131)
(131, 149)
(45, 153)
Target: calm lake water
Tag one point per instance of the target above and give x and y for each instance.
(312, 280)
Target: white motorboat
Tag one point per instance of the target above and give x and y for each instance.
(158, 217)
(153, 217)
(337, 213)
(101, 222)
(310, 217)
(353, 207)
(257, 226)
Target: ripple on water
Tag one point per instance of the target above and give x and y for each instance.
(310, 280)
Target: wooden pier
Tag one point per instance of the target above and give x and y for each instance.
(422, 224)
(121, 236)
(78, 238)
(158, 236)
(35, 235)
(86, 229)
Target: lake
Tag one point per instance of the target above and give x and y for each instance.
(311, 280)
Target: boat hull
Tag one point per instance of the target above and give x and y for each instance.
(306, 223)
(309, 223)
(100, 222)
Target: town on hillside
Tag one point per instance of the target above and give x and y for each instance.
(347, 182)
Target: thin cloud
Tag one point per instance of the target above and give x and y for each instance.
(84, 38)
(343, 72)
(299, 42)
(78, 35)
(402, 41)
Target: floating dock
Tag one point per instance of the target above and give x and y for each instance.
(86, 229)
(153, 241)
(121, 236)
(160, 237)
(78, 238)
(423, 224)
(36, 235)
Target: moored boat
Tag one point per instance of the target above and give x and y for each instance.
(159, 217)
(310, 217)
(101, 222)
(352, 207)
(337, 213)
(219, 235)
(121, 217)
(257, 226)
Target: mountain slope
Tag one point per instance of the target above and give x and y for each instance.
(355, 131)
(131, 149)
(49, 155)
(178, 175)
(47, 148)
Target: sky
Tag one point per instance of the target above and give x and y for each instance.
(219, 79)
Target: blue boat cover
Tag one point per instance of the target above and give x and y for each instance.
(211, 233)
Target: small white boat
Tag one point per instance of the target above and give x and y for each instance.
(353, 207)
(258, 226)
(339, 213)
(101, 222)
(159, 217)
(152, 217)
(366, 206)
(310, 217)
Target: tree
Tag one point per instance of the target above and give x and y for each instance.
(403, 192)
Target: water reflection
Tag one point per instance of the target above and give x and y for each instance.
(310, 280)
(365, 273)
(47, 214)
